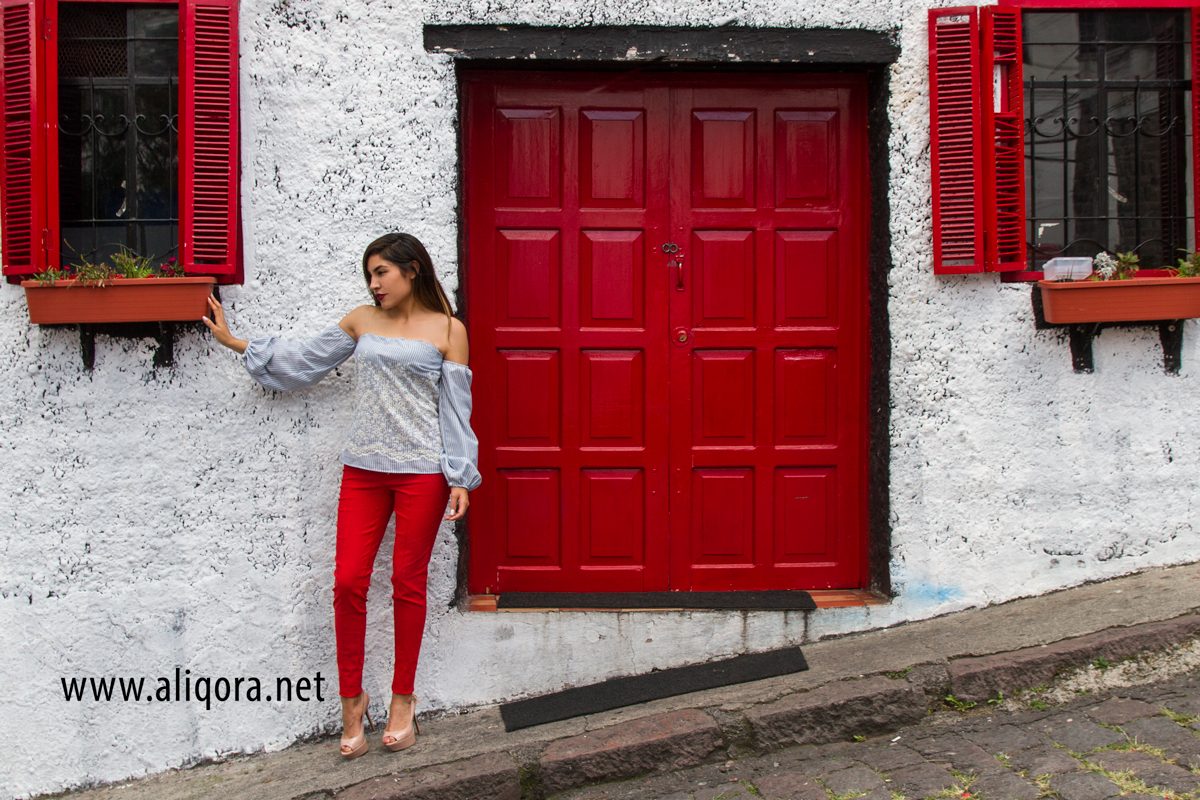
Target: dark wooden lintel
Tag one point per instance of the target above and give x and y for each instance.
(729, 44)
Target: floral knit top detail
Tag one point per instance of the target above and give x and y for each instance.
(412, 408)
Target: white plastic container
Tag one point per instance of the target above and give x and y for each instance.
(1067, 268)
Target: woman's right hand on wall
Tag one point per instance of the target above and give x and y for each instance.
(216, 324)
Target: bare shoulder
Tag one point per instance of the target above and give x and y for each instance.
(457, 351)
(355, 322)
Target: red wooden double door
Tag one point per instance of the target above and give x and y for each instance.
(666, 297)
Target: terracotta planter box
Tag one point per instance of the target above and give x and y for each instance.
(1121, 301)
(119, 300)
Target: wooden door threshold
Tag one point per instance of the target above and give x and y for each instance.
(824, 598)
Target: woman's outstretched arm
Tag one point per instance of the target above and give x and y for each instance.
(220, 329)
(282, 365)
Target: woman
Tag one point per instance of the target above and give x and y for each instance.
(410, 449)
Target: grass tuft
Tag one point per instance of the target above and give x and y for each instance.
(1126, 780)
(1134, 746)
(1177, 718)
(958, 705)
(958, 790)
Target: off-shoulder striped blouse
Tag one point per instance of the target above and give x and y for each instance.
(412, 409)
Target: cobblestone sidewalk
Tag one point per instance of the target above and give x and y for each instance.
(1134, 742)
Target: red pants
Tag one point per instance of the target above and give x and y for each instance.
(364, 508)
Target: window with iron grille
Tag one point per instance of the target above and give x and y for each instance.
(1107, 97)
(121, 130)
(118, 154)
(1063, 132)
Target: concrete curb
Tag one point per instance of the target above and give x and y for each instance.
(661, 743)
(492, 776)
(979, 679)
(834, 711)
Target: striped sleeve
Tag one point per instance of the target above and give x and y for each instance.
(282, 365)
(460, 448)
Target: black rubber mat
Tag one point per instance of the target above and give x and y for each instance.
(618, 692)
(776, 600)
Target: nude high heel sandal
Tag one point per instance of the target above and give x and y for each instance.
(358, 744)
(406, 737)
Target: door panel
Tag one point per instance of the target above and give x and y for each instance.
(806, 514)
(612, 276)
(722, 265)
(806, 409)
(528, 516)
(528, 262)
(612, 168)
(722, 517)
(767, 405)
(723, 398)
(806, 159)
(804, 263)
(565, 211)
(723, 159)
(527, 403)
(528, 157)
(684, 418)
(614, 510)
(613, 394)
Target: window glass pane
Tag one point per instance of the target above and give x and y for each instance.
(91, 40)
(157, 155)
(109, 127)
(74, 153)
(1057, 61)
(118, 148)
(157, 23)
(156, 58)
(1107, 134)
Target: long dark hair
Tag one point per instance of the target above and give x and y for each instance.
(407, 253)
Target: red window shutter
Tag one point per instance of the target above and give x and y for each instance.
(1003, 140)
(954, 127)
(209, 137)
(22, 168)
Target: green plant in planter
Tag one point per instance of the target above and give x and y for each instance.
(128, 265)
(95, 274)
(171, 268)
(1189, 267)
(125, 264)
(48, 277)
(1121, 267)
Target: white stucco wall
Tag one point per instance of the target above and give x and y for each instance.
(185, 516)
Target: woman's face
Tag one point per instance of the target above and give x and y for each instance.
(390, 285)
